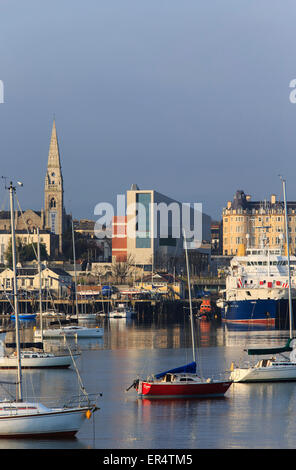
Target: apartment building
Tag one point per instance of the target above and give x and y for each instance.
(248, 223)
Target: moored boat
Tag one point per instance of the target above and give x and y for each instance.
(72, 331)
(121, 311)
(271, 369)
(182, 381)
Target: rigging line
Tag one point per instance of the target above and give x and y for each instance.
(72, 357)
(7, 391)
(12, 305)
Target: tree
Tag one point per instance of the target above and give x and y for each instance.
(25, 252)
(85, 247)
(122, 269)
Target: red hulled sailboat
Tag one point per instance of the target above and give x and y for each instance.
(182, 381)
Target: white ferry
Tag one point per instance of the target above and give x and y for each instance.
(256, 284)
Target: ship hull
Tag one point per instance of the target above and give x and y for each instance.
(63, 423)
(257, 311)
(277, 373)
(180, 390)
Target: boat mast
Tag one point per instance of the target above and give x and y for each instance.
(75, 275)
(40, 286)
(288, 256)
(190, 301)
(16, 306)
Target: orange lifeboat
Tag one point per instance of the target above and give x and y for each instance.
(205, 310)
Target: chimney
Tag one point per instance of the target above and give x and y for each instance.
(273, 199)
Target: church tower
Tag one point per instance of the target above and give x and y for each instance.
(53, 190)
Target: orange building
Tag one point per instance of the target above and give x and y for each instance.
(119, 238)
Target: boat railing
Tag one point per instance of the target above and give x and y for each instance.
(80, 401)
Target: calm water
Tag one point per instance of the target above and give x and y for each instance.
(250, 416)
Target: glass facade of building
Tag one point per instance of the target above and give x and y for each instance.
(143, 229)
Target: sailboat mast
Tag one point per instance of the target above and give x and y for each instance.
(16, 306)
(75, 275)
(40, 286)
(190, 301)
(288, 256)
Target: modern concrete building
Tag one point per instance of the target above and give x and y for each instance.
(245, 222)
(153, 227)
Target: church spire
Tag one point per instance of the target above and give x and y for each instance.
(53, 190)
(54, 153)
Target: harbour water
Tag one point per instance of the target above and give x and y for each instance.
(250, 416)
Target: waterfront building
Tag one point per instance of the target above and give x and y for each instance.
(25, 237)
(245, 222)
(146, 236)
(56, 280)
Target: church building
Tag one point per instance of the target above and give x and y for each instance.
(52, 219)
(55, 218)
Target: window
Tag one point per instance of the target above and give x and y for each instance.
(143, 221)
(52, 202)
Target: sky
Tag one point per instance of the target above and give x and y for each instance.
(187, 97)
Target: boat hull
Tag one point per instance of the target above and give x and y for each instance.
(25, 316)
(265, 374)
(256, 311)
(54, 362)
(60, 423)
(181, 390)
(79, 333)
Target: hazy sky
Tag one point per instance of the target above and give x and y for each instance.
(187, 97)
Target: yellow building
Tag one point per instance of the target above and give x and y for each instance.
(248, 223)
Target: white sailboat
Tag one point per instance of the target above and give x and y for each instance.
(19, 418)
(121, 311)
(75, 331)
(272, 369)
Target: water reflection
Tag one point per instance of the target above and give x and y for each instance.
(249, 416)
(73, 443)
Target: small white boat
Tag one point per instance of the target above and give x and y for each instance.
(50, 313)
(83, 316)
(72, 331)
(121, 311)
(26, 419)
(37, 360)
(266, 370)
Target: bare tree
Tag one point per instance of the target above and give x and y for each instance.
(121, 270)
